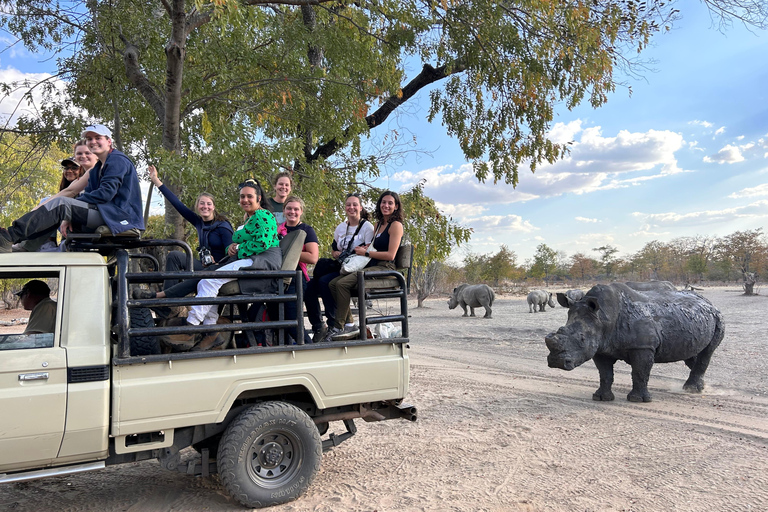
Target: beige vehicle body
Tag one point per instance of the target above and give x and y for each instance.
(71, 402)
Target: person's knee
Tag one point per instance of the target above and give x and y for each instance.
(176, 260)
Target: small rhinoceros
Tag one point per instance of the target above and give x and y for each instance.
(540, 298)
(615, 322)
(474, 296)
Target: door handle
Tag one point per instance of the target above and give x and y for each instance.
(33, 376)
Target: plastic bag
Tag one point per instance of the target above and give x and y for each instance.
(355, 262)
(388, 330)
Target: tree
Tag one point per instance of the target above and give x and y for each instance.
(433, 235)
(607, 259)
(544, 263)
(747, 251)
(30, 172)
(501, 265)
(583, 266)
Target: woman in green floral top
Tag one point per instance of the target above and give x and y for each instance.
(255, 245)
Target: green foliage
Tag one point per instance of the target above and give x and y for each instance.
(28, 173)
(544, 262)
(483, 268)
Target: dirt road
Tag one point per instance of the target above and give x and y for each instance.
(498, 430)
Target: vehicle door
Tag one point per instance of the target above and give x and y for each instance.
(33, 376)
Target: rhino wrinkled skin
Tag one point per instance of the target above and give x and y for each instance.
(615, 322)
(540, 298)
(572, 296)
(474, 296)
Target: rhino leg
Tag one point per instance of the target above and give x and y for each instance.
(464, 307)
(487, 312)
(472, 310)
(699, 364)
(531, 308)
(605, 367)
(641, 362)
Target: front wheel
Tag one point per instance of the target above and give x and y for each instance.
(269, 454)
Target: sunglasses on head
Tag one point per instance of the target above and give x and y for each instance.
(354, 194)
(250, 182)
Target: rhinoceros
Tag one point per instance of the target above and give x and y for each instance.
(540, 298)
(651, 286)
(474, 296)
(571, 296)
(615, 322)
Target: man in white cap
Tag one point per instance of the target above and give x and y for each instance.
(112, 197)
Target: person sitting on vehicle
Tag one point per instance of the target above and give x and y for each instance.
(255, 245)
(112, 196)
(214, 232)
(386, 241)
(356, 230)
(35, 297)
(283, 186)
(74, 177)
(293, 209)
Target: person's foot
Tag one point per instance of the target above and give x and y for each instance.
(319, 333)
(5, 241)
(141, 293)
(349, 332)
(332, 331)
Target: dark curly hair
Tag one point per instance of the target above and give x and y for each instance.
(397, 215)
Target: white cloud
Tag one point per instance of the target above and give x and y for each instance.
(758, 191)
(585, 219)
(14, 105)
(562, 132)
(740, 137)
(720, 130)
(758, 209)
(705, 124)
(727, 155)
(500, 223)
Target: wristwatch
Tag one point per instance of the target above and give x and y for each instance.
(367, 254)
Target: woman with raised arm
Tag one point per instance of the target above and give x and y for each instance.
(356, 230)
(254, 244)
(386, 240)
(214, 232)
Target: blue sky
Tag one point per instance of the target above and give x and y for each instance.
(686, 154)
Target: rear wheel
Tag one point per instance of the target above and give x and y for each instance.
(269, 454)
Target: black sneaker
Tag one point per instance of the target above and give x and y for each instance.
(141, 293)
(319, 333)
(5, 241)
(330, 334)
(348, 333)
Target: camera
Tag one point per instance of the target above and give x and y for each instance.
(345, 254)
(205, 256)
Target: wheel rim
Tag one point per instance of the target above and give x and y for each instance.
(274, 458)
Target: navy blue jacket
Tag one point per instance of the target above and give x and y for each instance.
(114, 188)
(217, 233)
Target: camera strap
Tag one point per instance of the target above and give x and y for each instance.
(351, 240)
(206, 229)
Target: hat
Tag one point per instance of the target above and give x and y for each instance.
(35, 287)
(99, 129)
(69, 161)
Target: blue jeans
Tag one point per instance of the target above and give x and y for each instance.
(318, 288)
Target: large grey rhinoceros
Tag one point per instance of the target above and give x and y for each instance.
(540, 298)
(474, 296)
(615, 322)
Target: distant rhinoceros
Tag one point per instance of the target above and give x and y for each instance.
(615, 322)
(540, 298)
(474, 296)
(571, 296)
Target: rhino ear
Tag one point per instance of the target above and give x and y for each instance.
(562, 300)
(593, 304)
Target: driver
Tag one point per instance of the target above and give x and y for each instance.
(35, 297)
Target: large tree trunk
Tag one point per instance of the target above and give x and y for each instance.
(750, 278)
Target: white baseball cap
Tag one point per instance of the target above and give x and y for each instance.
(98, 129)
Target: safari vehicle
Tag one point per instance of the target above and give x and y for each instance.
(98, 391)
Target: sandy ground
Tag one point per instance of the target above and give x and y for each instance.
(498, 430)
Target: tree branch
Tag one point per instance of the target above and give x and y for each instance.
(428, 75)
(139, 80)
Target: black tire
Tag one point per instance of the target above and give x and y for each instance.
(143, 345)
(269, 454)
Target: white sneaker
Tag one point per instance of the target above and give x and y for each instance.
(348, 333)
